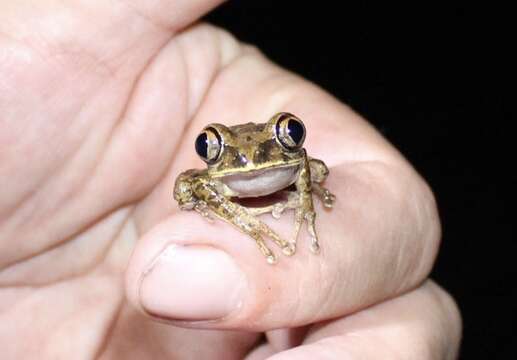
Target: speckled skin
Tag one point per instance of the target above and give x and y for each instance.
(250, 152)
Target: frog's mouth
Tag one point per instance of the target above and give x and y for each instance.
(261, 182)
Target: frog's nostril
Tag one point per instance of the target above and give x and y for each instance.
(243, 159)
(239, 161)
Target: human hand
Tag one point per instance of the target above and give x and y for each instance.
(99, 104)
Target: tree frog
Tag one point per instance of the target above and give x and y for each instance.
(255, 160)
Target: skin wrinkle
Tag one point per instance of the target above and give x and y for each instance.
(106, 59)
(80, 274)
(30, 298)
(71, 54)
(433, 229)
(222, 64)
(102, 322)
(331, 288)
(62, 164)
(56, 50)
(407, 283)
(80, 185)
(281, 87)
(137, 78)
(163, 174)
(61, 55)
(98, 61)
(126, 316)
(405, 244)
(149, 19)
(115, 317)
(402, 267)
(51, 54)
(161, 23)
(222, 67)
(54, 171)
(3, 65)
(423, 210)
(124, 113)
(110, 327)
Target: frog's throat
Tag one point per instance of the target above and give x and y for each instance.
(256, 170)
(261, 182)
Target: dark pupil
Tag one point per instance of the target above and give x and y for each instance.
(202, 145)
(295, 130)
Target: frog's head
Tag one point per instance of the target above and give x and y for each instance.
(250, 148)
(254, 159)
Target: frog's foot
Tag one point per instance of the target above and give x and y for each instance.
(311, 217)
(270, 256)
(324, 194)
(255, 228)
(288, 248)
(302, 215)
(202, 208)
(242, 217)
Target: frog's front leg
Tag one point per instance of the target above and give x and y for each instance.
(241, 217)
(305, 209)
(205, 196)
(319, 172)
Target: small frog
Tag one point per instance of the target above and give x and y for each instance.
(254, 160)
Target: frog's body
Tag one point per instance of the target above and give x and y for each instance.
(253, 160)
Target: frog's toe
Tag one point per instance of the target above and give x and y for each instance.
(278, 209)
(202, 208)
(270, 256)
(289, 249)
(328, 199)
(271, 259)
(315, 246)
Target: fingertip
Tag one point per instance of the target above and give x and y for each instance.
(192, 283)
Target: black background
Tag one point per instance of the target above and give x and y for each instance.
(436, 81)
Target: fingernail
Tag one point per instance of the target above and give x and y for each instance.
(192, 283)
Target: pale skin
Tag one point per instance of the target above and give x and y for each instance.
(99, 105)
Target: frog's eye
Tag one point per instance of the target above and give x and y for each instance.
(290, 131)
(208, 145)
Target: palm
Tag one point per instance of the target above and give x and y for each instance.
(107, 136)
